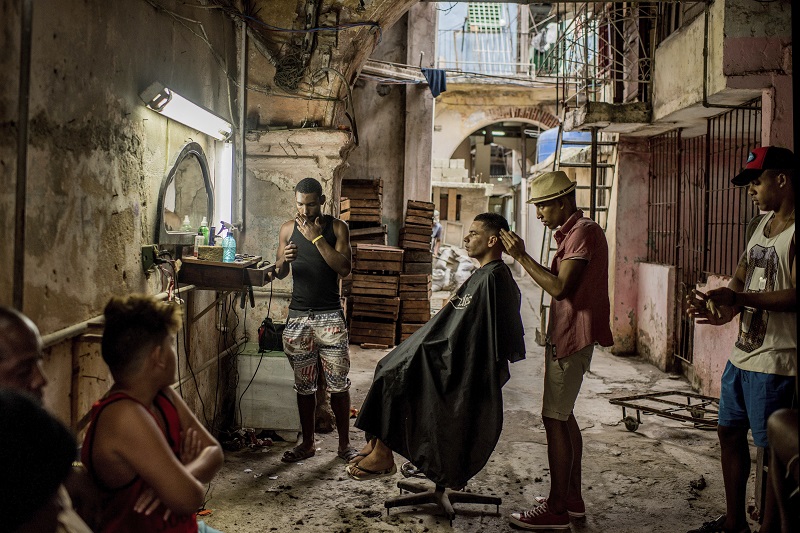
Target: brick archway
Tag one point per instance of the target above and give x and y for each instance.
(453, 124)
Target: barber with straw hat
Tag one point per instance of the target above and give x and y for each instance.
(577, 280)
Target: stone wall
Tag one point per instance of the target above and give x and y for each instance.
(96, 160)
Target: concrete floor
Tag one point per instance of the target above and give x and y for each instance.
(633, 481)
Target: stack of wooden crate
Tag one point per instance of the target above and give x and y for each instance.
(360, 206)
(415, 282)
(375, 305)
(415, 237)
(415, 303)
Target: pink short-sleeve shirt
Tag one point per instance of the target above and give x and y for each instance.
(582, 318)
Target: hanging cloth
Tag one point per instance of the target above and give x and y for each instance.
(436, 80)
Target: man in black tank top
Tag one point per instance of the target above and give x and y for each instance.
(316, 249)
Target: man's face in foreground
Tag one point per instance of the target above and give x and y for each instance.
(21, 359)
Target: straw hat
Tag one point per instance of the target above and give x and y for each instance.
(550, 186)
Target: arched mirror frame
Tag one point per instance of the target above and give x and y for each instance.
(162, 236)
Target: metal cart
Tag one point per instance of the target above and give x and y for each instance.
(701, 411)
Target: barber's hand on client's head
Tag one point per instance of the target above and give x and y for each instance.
(513, 244)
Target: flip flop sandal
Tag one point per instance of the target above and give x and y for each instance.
(409, 470)
(349, 454)
(359, 473)
(297, 454)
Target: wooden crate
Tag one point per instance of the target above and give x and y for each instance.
(415, 287)
(415, 306)
(369, 235)
(365, 215)
(372, 331)
(374, 285)
(417, 268)
(416, 230)
(419, 221)
(406, 329)
(415, 311)
(418, 256)
(422, 206)
(355, 189)
(376, 307)
(377, 258)
(415, 238)
(414, 280)
(359, 203)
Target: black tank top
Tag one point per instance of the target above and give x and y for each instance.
(315, 284)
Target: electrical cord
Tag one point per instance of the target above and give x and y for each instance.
(260, 359)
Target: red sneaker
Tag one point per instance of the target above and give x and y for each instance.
(575, 508)
(540, 517)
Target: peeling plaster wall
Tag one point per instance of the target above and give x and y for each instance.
(97, 157)
(655, 328)
(627, 238)
(276, 161)
(712, 347)
(382, 130)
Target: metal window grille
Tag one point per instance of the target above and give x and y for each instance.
(484, 17)
(696, 218)
(731, 136)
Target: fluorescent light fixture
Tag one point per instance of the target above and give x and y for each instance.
(224, 184)
(499, 133)
(172, 105)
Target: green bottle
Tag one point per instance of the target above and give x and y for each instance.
(204, 230)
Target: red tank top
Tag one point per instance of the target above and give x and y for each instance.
(117, 503)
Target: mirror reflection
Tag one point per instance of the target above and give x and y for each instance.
(186, 199)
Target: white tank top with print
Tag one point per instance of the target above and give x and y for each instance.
(767, 340)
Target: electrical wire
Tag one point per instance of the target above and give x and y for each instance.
(260, 359)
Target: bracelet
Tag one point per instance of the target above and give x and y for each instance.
(77, 464)
(318, 237)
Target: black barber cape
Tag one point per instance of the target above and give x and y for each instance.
(436, 398)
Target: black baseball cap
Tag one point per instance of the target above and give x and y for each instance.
(764, 158)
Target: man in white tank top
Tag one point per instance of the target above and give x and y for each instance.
(759, 378)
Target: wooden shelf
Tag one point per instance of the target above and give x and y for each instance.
(217, 275)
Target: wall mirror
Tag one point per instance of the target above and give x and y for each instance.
(185, 192)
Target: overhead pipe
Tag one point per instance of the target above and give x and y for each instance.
(705, 72)
(26, 31)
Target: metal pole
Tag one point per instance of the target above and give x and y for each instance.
(240, 168)
(593, 183)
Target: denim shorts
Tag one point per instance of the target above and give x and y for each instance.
(748, 398)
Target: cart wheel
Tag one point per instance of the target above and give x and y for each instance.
(697, 412)
(631, 424)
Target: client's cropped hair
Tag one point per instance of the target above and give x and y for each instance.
(493, 222)
(134, 325)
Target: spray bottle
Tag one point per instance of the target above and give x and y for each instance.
(228, 248)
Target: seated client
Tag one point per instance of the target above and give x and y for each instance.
(436, 399)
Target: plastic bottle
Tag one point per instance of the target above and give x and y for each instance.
(204, 230)
(198, 242)
(228, 248)
(187, 225)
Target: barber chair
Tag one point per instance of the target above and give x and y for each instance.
(440, 496)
